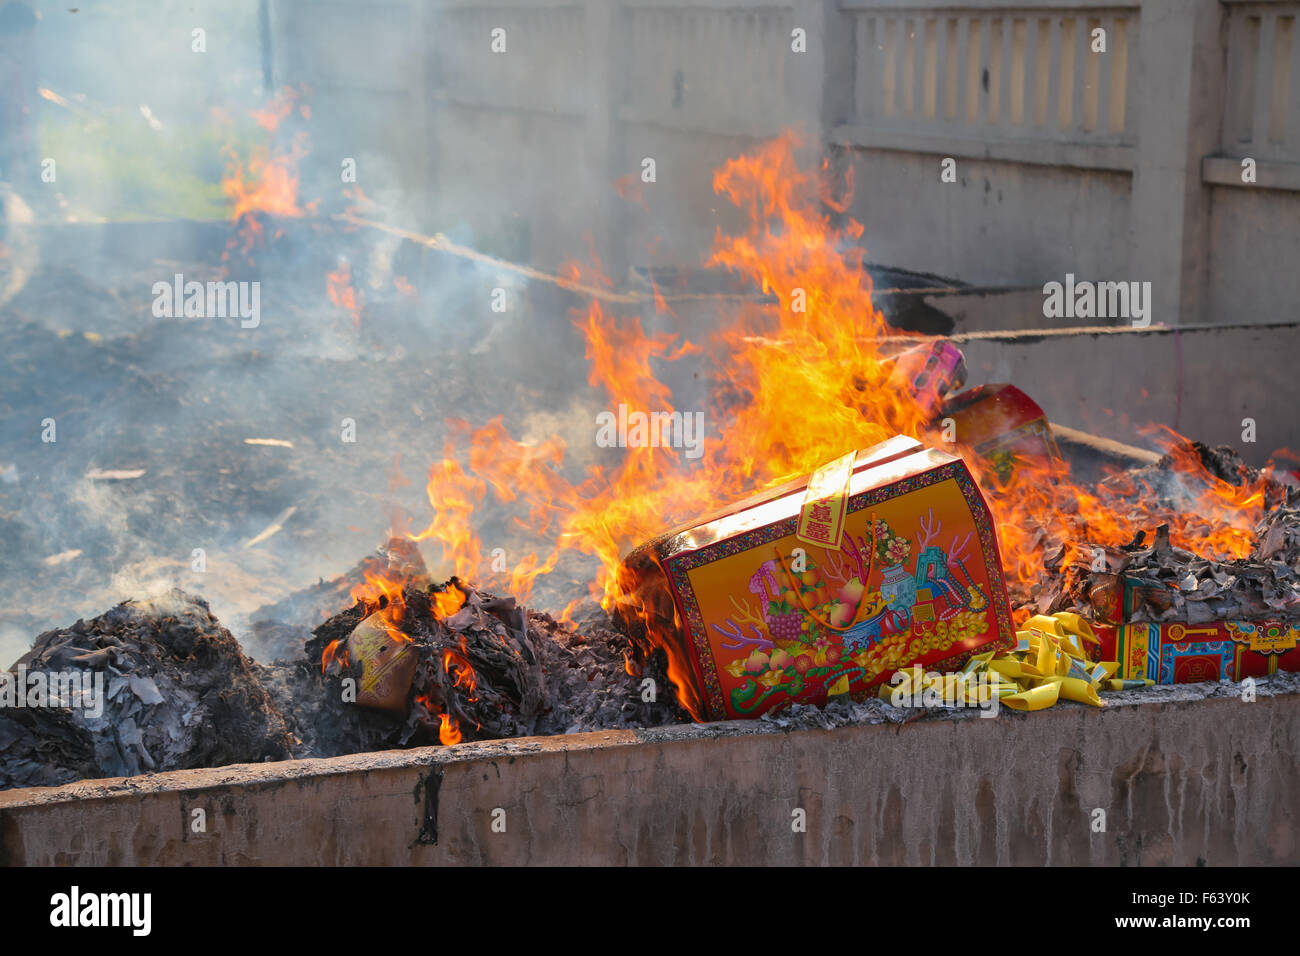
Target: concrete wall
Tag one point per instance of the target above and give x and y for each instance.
(1183, 780)
(1116, 165)
(1253, 250)
(1112, 382)
(979, 229)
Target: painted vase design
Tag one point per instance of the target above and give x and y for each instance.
(898, 589)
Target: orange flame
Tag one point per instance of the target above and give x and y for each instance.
(266, 184)
(799, 382)
(448, 602)
(1044, 507)
(339, 286)
(461, 673)
(380, 587)
(331, 651)
(448, 732)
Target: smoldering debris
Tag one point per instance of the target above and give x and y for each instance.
(417, 662)
(280, 631)
(148, 686)
(491, 668)
(178, 692)
(1168, 583)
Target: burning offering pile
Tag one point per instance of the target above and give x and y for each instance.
(843, 511)
(417, 663)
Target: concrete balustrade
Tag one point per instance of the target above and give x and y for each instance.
(1117, 165)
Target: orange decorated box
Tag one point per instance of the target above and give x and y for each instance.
(884, 559)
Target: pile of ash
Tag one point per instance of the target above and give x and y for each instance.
(148, 686)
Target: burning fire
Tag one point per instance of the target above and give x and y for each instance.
(797, 384)
(1044, 507)
(462, 674)
(266, 183)
(448, 732)
(448, 602)
(331, 653)
(383, 589)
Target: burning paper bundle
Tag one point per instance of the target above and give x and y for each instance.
(413, 663)
(824, 586)
(417, 652)
(1169, 615)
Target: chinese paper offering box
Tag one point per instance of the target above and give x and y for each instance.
(883, 559)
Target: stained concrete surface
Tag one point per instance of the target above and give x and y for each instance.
(1184, 776)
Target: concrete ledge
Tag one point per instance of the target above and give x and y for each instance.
(1226, 171)
(1201, 380)
(1109, 156)
(1193, 776)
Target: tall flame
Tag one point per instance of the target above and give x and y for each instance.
(797, 383)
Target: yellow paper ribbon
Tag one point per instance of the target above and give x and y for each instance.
(1050, 663)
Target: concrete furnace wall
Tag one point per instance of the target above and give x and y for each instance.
(1182, 779)
(1202, 381)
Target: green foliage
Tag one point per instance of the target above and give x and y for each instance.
(120, 169)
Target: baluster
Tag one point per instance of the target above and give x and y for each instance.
(1105, 69)
(1121, 89)
(1053, 118)
(962, 67)
(1019, 41)
(865, 66)
(1280, 75)
(1082, 58)
(1293, 99)
(889, 72)
(1003, 79)
(948, 74)
(985, 64)
(1263, 104)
